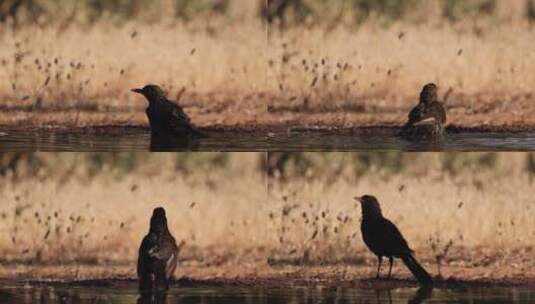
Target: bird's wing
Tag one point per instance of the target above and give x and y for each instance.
(164, 250)
(176, 112)
(439, 110)
(166, 253)
(434, 110)
(171, 265)
(182, 127)
(393, 240)
(148, 243)
(415, 114)
(178, 120)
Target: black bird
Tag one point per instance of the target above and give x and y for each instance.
(158, 254)
(427, 107)
(166, 118)
(384, 239)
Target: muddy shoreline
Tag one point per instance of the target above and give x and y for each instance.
(261, 275)
(118, 129)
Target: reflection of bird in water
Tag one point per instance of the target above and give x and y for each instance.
(423, 293)
(165, 143)
(166, 118)
(428, 108)
(158, 255)
(378, 296)
(384, 239)
(152, 298)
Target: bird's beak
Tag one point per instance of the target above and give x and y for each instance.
(140, 91)
(358, 198)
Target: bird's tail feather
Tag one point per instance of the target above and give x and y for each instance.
(417, 270)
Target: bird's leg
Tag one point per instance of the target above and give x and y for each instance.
(380, 258)
(390, 270)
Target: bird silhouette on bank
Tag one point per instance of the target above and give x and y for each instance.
(158, 255)
(427, 108)
(383, 238)
(166, 118)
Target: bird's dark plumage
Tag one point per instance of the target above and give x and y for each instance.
(384, 239)
(158, 254)
(165, 117)
(427, 107)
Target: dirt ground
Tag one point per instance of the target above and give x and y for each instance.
(467, 112)
(487, 114)
(225, 117)
(264, 275)
(261, 273)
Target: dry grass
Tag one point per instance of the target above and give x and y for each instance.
(234, 73)
(78, 218)
(78, 223)
(379, 71)
(82, 69)
(394, 62)
(469, 219)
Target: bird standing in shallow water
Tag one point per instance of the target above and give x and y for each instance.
(427, 107)
(165, 117)
(384, 239)
(158, 254)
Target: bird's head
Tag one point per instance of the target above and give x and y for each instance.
(151, 92)
(429, 93)
(158, 221)
(370, 205)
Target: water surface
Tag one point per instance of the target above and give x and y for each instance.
(127, 139)
(139, 139)
(386, 139)
(123, 293)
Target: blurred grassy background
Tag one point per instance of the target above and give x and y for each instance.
(89, 11)
(356, 165)
(357, 11)
(453, 208)
(90, 207)
(355, 63)
(289, 11)
(333, 62)
(456, 209)
(74, 62)
(19, 166)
